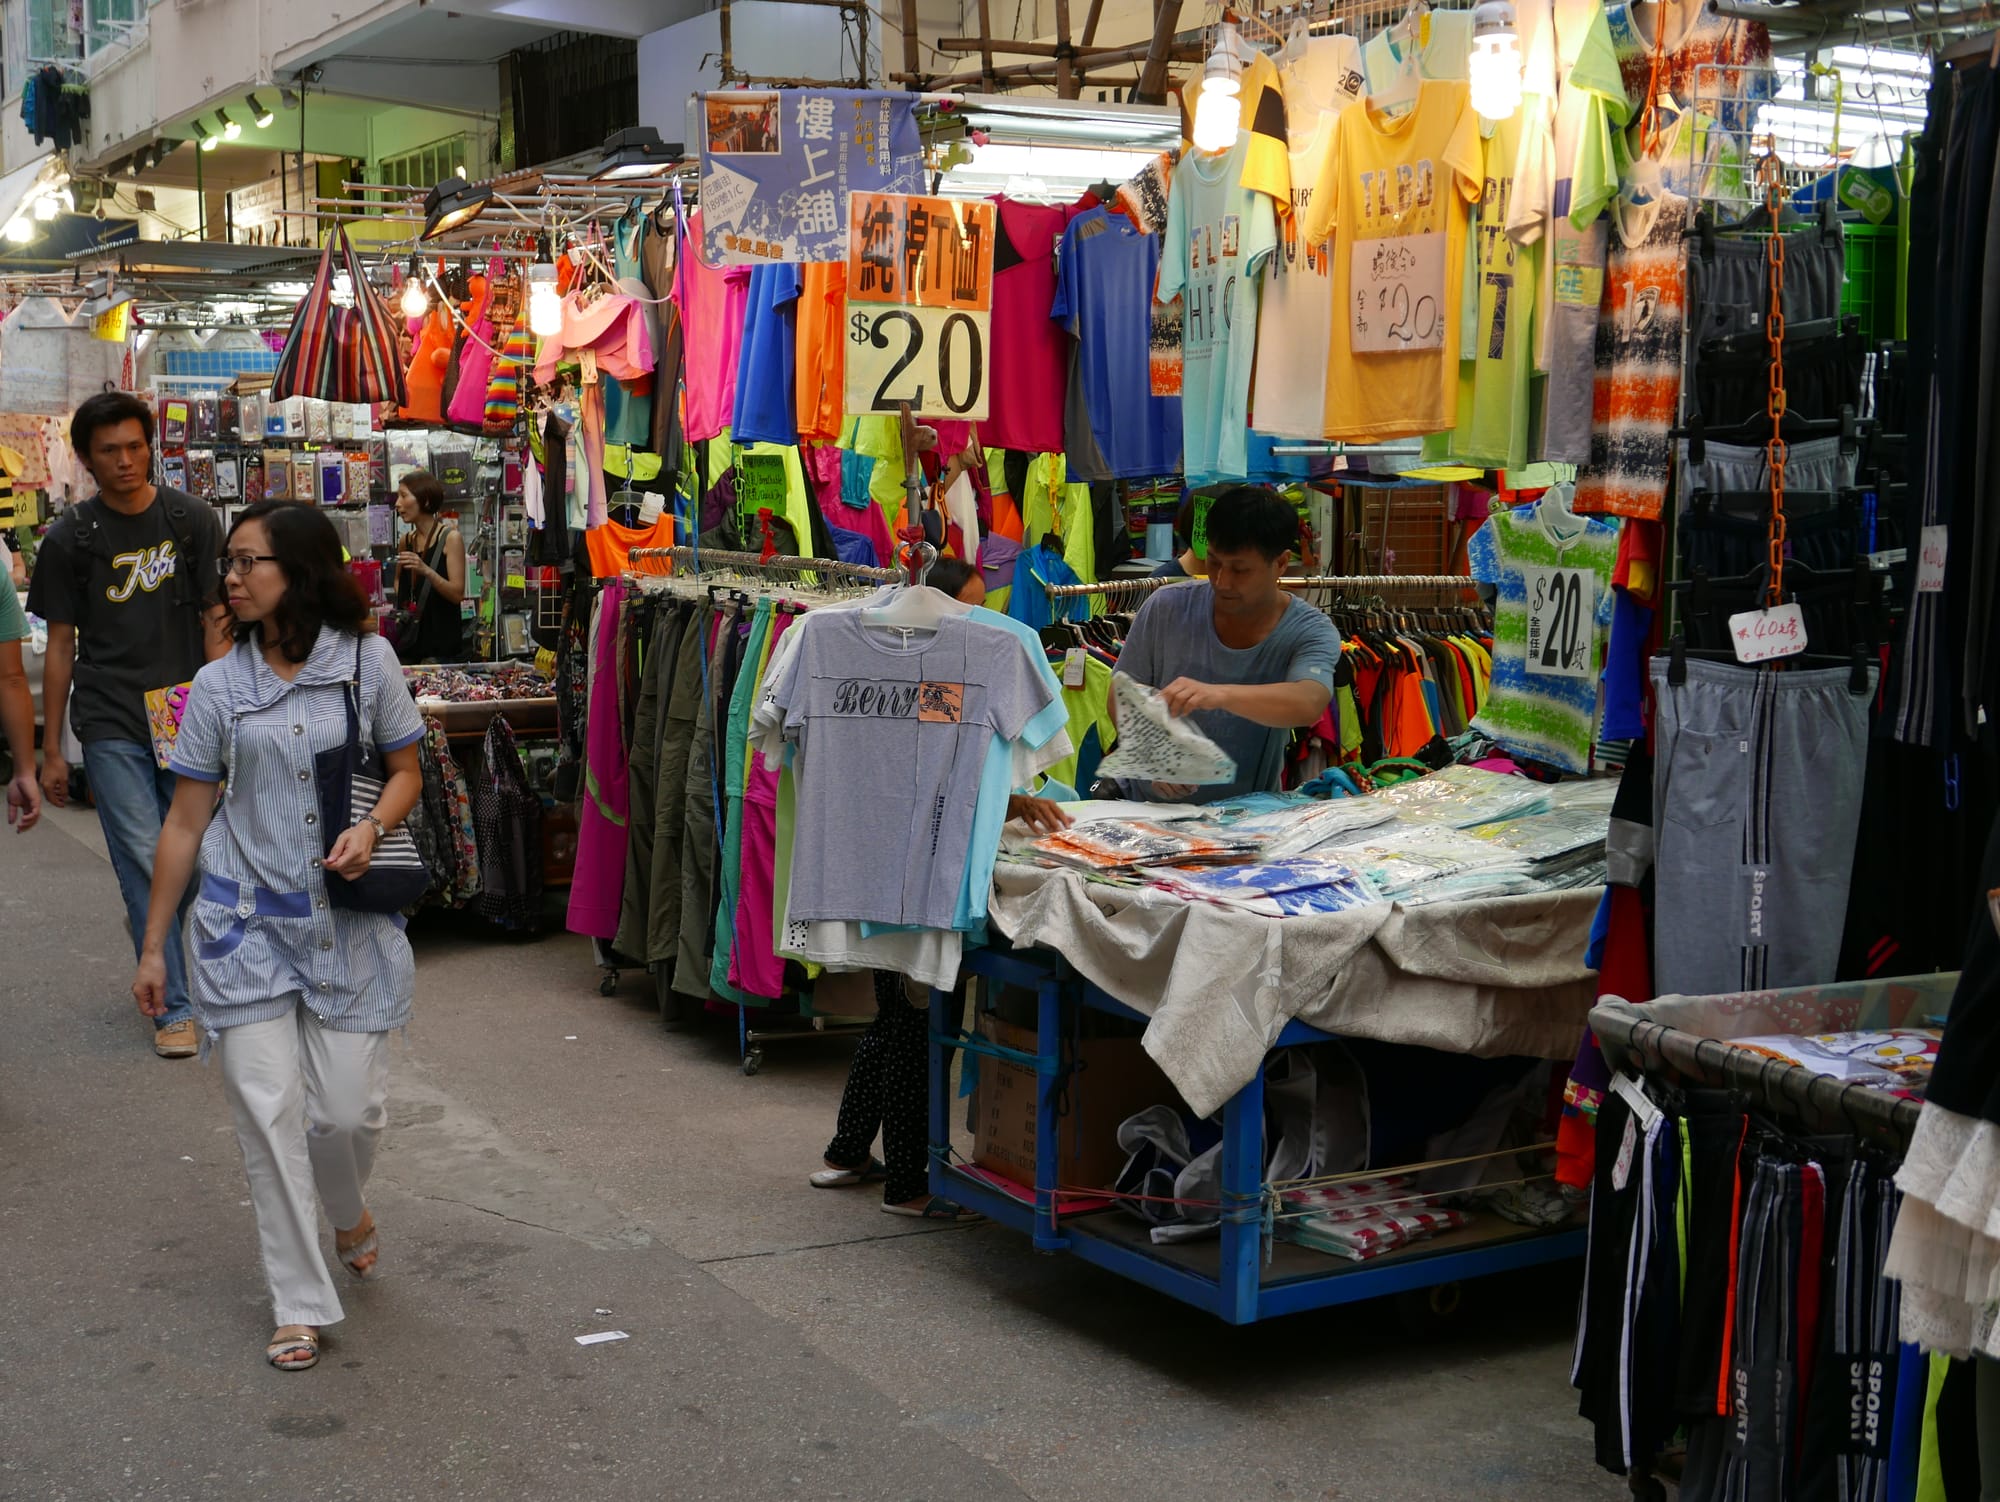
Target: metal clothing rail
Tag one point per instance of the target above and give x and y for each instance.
(1377, 582)
(698, 560)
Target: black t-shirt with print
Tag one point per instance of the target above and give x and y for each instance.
(138, 618)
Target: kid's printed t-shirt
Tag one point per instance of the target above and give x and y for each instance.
(1638, 361)
(1709, 61)
(1114, 427)
(856, 699)
(1396, 189)
(1493, 402)
(1218, 234)
(1543, 716)
(1288, 398)
(1444, 50)
(1326, 78)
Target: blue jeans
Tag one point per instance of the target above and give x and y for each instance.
(132, 795)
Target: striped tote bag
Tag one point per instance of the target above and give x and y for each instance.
(341, 354)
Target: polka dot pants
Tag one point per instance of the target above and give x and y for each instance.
(888, 1087)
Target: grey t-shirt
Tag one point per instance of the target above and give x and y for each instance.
(138, 619)
(892, 747)
(1174, 637)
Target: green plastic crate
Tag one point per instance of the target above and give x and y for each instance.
(1873, 290)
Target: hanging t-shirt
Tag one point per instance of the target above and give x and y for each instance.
(1397, 190)
(1030, 355)
(1638, 361)
(1262, 135)
(1568, 174)
(1325, 77)
(1444, 50)
(857, 699)
(821, 375)
(1114, 427)
(1218, 233)
(1492, 429)
(712, 304)
(1556, 583)
(1706, 60)
(764, 406)
(1295, 321)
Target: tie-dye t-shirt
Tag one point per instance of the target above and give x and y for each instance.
(1638, 361)
(1536, 714)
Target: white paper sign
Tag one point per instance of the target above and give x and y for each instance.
(1930, 560)
(1562, 621)
(1760, 635)
(1397, 290)
(935, 359)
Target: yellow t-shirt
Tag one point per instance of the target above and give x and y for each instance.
(1267, 165)
(1394, 195)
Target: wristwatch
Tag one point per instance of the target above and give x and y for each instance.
(381, 829)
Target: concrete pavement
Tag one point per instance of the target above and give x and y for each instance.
(552, 1154)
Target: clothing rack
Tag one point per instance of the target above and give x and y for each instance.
(1376, 582)
(698, 560)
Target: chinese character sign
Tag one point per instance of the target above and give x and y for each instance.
(778, 165)
(919, 304)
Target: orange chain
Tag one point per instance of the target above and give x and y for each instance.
(1774, 327)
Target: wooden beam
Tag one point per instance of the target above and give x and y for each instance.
(1044, 71)
(1090, 23)
(1153, 77)
(1065, 56)
(910, 59)
(984, 45)
(985, 40)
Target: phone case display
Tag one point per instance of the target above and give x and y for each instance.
(201, 465)
(228, 477)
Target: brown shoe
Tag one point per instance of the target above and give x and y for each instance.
(177, 1040)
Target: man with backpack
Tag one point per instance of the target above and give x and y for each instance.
(127, 582)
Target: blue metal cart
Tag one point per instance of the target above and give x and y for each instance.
(1228, 1276)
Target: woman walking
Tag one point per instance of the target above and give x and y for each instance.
(296, 995)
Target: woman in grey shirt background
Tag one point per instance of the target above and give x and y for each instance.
(296, 997)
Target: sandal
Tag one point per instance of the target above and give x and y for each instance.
(367, 1247)
(873, 1172)
(937, 1207)
(283, 1345)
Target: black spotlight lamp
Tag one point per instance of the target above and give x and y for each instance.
(263, 118)
(636, 152)
(452, 203)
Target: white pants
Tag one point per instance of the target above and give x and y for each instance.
(310, 1106)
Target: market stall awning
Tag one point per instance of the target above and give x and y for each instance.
(219, 255)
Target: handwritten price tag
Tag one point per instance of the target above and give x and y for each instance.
(1933, 545)
(1397, 293)
(1562, 621)
(1761, 635)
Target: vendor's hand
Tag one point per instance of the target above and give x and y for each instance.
(352, 851)
(1186, 695)
(412, 561)
(55, 778)
(1043, 815)
(24, 801)
(1173, 792)
(149, 986)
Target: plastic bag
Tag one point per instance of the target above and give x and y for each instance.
(1156, 746)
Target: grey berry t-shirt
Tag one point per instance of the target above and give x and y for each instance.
(893, 730)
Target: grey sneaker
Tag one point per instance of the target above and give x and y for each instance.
(177, 1040)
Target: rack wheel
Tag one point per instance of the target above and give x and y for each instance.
(1424, 1311)
(608, 984)
(753, 1061)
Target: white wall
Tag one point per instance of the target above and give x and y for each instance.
(770, 40)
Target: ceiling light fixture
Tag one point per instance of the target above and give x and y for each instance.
(1495, 66)
(545, 314)
(452, 203)
(636, 152)
(208, 142)
(230, 129)
(416, 301)
(263, 119)
(1218, 113)
(289, 98)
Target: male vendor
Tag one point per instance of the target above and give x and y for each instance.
(1247, 661)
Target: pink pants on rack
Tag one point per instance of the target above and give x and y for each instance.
(754, 965)
(597, 890)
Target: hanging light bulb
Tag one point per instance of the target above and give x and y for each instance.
(1495, 65)
(208, 142)
(545, 317)
(1218, 113)
(416, 301)
(230, 129)
(20, 229)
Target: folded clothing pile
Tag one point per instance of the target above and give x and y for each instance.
(1275, 889)
(1370, 1235)
(1126, 845)
(1460, 797)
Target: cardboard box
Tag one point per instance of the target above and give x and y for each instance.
(1114, 1079)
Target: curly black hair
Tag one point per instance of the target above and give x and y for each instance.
(319, 591)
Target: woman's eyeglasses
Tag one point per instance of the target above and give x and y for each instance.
(240, 564)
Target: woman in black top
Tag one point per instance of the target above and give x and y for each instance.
(430, 573)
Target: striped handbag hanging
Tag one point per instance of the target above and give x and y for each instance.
(341, 354)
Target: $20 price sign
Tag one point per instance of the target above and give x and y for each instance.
(1562, 621)
(919, 305)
